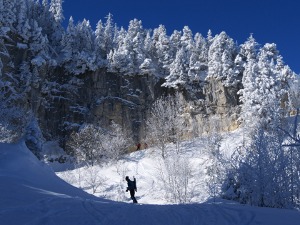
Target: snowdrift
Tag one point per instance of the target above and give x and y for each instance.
(31, 193)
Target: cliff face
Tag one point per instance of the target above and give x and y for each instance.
(122, 99)
(99, 98)
(62, 102)
(103, 97)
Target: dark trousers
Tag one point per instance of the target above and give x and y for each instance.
(132, 192)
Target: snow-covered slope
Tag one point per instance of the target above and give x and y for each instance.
(30, 193)
(150, 170)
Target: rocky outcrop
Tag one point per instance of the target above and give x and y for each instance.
(62, 102)
(125, 100)
(103, 97)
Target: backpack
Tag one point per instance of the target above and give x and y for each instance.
(132, 184)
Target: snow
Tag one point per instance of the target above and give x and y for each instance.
(31, 194)
(38, 61)
(22, 46)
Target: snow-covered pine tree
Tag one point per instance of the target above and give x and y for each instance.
(13, 90)
(201, 45)
(9, 14)
(69, 43)
(285, 78)
(175, 43)
(162, 54)
(119, 58)
(45, 17)
(130, 54)
(38, 45)
(248, 54)
(198, 59)
(148, 67)
(178, 70)
(85, 40)
(100, 51)
(23, 27)
(1, 12)
(268, 94)
(57, 10)
(209, 37)
(249, 49)
(294, 94)
(79, 53)
(134, 45)
(148, 44)
(35, 9)
(85, 36)
(221, 54)
(186, 40)
(52, 25)
(45, 4)
(109, 29)
(261, 178)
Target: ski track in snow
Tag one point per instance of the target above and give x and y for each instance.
(232, 216)
(47, 212)
(59, 210)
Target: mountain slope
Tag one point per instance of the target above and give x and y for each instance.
(32, 194)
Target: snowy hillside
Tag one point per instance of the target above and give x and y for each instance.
(32, 194)
(86, 97)
(159, 180)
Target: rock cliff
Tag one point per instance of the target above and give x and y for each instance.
(103, 97)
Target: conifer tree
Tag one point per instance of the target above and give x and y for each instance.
(248, 52)
(134, 43)
(201, 47)
(147, 66)
(186, 40)
(79, 52)
(22, 20)
(99, 44)
(209, 37)
(45, 4)
(53, 22)
(1, 12)
(178, 70)
(69, 42)
(38, 45)
(221, 54)
(198, 59)
(162, 56)
(148, 44)
(175, 43)
(267, 90)
(9, 13)
(57, 10)
(109, 28)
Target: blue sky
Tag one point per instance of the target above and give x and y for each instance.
(270, 21)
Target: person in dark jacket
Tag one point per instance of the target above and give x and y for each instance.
(131, 187)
